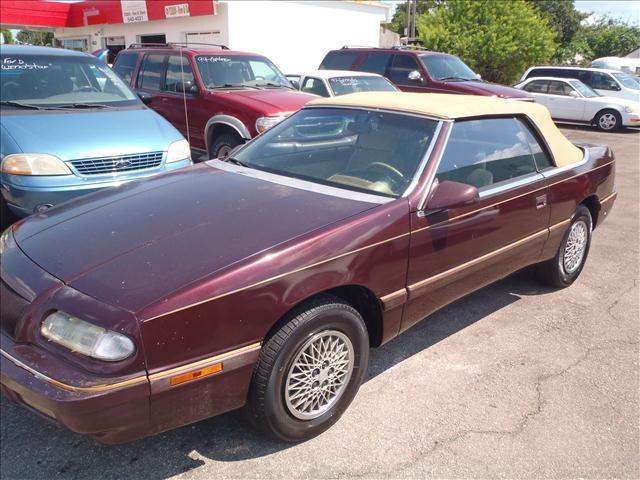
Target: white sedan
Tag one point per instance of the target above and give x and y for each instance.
(571, 100)
(331, 83)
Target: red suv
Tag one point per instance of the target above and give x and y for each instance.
(216, 97)
(418, 70)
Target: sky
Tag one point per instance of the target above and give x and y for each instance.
(626, 10)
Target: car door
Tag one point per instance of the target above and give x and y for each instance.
(456, 250)
(605, 84)
(151, 78)
(562, 104)
(402, 67)
(539, 89)
(180, 99)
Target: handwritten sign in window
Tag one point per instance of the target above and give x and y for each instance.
(212, 59)
(9, 63)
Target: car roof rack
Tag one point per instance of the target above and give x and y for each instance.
(177, 44)
(357, 46)
(409, 47)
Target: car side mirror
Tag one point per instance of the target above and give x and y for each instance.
(452, 194)
(187, 87)
(145, 97)
(415, 76)
(574, 94)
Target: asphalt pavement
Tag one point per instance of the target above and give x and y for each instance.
(514, 381)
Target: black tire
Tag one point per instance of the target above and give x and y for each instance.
(6, 216)
(267, 407)
(608, 121)
(554, 272)
(223, 144)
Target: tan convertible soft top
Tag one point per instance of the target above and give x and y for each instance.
(452, 107)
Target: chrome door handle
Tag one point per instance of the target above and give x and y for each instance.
(541, 202)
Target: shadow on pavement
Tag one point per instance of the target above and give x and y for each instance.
(34, 448)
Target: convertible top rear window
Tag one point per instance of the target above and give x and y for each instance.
(363, 150)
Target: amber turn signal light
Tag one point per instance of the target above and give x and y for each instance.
(203, 372)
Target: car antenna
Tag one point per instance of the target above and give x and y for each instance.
(184, 95)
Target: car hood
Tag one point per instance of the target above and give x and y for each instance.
(269, 101)
(486, 88)
(73, 134)
(134, 245)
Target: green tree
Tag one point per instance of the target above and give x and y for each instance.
(35, 37)
(498, 39)
(399, 21)
(608, 38)
(8, 38)
(562, 17)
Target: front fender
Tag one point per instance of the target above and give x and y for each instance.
(230, 121)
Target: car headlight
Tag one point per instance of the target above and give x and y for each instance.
(265, 123)
(86, 338)
(33, 164)
(178, 151)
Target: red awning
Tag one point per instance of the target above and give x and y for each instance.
(43, 13)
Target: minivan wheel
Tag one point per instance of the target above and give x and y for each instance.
(608, 120)
(309, 371)
(566, 266)
(223, 144)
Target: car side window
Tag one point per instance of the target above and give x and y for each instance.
(537, 86)
(180, 77)
(401, 66)
(375, 63)
(316, 86)
(559, 88)
(124, 66)
(151, 73)
(540, 155)
(338, 61)
(486, 152)
(603, 81)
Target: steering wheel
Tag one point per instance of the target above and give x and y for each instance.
(396, 175)
(88, 88)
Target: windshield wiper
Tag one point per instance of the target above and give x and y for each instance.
(235, 161)
(271, 84)
(234, 85)
(10, 103)
(83, 105)
(447, 79)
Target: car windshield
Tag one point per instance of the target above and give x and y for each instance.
(352, 84)
(362, 150)
(585, 90)
(627, 80)
(447, 67)
(249, 71)
(49, 81)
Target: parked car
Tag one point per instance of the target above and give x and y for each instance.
(624, 64)
(264, 279)
(418, 71)
(70, 126)
(331, 83)
(610, 83)
(216, 97)
(573, 101)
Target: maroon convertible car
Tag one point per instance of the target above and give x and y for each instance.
(263, 280)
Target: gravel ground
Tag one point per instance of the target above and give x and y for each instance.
(514, 381)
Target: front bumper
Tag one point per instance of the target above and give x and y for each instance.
(631, 119)
(24, 194)
(110, 411)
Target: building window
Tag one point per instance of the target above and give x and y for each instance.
(78, 44)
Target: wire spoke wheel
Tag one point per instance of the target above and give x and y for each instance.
(319, 374)
(575, 247)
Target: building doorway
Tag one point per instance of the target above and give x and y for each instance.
(156, 38)
(114, 45)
